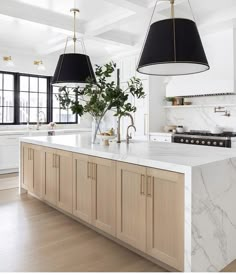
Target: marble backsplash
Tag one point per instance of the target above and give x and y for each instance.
(204, 117)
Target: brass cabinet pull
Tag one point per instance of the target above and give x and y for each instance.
(32, 154)
(142, 185)
(149, 186)
(88, 168)
(57, 161)
(94, 171)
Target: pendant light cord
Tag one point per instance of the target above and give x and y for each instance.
(192, 11)
(74, 39)
(149, 25)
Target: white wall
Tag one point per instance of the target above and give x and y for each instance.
(157, 93)
(204, 118)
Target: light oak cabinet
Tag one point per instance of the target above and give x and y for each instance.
(50, 177)
(57, 184)
(82, 188)
(31, 170)
(150, 212)
(104, 195)
(94, 191)
(27, 166)
(131, 205)
(165, 217)
(143, 207)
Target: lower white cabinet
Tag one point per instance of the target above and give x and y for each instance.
(161, 137)
(140, 206)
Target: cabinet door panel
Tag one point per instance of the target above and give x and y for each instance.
(131, 205)
(165, 217)
(27, 167)
(82, 192)
(37, 171)
(103, 195)
(64, 188)
(50, 184)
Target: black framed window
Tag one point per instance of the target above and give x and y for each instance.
(7, 99)
(33, 98)
(59, 115)
(24, 96)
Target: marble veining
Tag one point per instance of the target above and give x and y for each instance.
(210, 190)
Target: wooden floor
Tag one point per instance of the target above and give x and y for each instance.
(8, 181)
(35, 237)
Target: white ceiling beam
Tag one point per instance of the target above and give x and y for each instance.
(38, 15)
(133, 5)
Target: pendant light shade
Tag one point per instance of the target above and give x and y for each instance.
(73, 69)
(173, 47)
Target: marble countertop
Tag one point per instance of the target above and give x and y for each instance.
(43, 130)
(168, 156)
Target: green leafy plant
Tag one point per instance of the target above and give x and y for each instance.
(103, 96)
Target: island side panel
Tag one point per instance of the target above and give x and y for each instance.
(214, 216)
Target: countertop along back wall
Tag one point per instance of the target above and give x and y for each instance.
(204, 118)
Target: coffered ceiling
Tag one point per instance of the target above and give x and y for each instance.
(108, 27)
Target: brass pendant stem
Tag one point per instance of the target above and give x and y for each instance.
(75, 38)
(172, 2)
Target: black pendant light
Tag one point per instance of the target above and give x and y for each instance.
(73, 69)
(173, 47)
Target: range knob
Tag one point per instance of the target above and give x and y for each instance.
(221, 144)
(192, 141)
(187, 141)
(182, 140)
(214, 143)
(203, 142)
(197, 141)
(208, 143)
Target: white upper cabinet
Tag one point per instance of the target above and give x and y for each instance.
(220, 50)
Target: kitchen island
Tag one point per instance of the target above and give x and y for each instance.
(172, 203)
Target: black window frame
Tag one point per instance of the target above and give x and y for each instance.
(49, 104)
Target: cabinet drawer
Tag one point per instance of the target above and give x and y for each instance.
(161, 138)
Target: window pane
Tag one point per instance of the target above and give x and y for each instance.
(8, 98)
(56, 115)
(33, 115)
(56, 103)
(71, 117)
(42, 85)
(1, 99)
(24, 114)
(63, 116)
(42, 100)
(24, 99)
(33, 99)
(55, 90)
(8, 115)
(8, 82)
(33, 84)
(24, 83)
(1, 82)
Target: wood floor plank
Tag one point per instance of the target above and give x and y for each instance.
(37, 238)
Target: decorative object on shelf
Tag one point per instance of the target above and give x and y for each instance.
(73, 68)
(97, 99)
(169, 101)
(172, 47)
(187, 102)
(178, 101)
(170, 128)
(40, 65)
(180, 129)
(8, 61)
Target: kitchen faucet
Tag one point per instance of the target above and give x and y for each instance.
(118, 127)
(39, 121)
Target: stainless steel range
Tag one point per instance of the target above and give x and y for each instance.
(205, 138)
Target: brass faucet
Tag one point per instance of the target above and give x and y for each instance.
(118, 126)
(129, 136)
